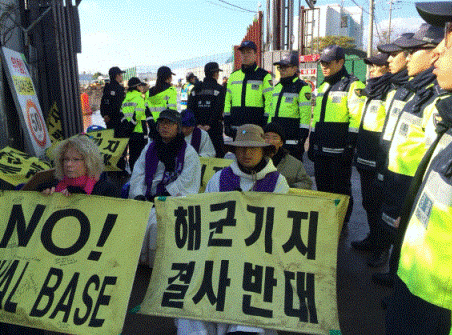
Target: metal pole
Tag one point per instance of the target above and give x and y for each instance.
(371, 28)
(390, 15)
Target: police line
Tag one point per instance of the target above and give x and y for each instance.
(67, 264)
(250, 258)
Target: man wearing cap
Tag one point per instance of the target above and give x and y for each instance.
(134, 123)
(198, 138)
(252, 171)
(373, 118)
(206, 101)
(249, 92)
(396, 98)
(112, 97)
(185, 92)
(163, 95)
(291, 105)
(167, 166)
(421, 302)
(335, 125)
(412, 135)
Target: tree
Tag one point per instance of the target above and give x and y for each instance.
(96, 75)
(320, 43)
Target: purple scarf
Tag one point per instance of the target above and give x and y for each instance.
(231, 182)
(168, 177)
(196, 139)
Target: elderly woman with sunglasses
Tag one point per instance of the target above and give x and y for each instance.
(78, 169)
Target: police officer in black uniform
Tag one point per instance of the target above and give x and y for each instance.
(112, 98)
(207, 103)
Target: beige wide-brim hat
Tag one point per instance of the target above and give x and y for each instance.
(249, 135)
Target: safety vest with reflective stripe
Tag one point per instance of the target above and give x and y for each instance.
(411, 141)
(134, 110)
(426, 257)
(292, 108)
(166, 99)
(373, 119)
(248, 97)
(337, 116)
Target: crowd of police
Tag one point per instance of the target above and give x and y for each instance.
(396, 129)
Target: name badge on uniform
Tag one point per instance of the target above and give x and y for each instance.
(336, 97)
(289, 100)
(113, 93)
(255, 87)
(424, 209)
(308, 96)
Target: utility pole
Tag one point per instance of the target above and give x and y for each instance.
(371, 28)
(390, 15)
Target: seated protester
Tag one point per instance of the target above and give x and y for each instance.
(168, 166)
(197, 137)
(286, 164)
(252, 171)
(78, 169)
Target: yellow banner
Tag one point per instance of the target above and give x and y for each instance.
(209, 166)
(53, 123)
(258, 259)
(17, 167)
(111, 148)
(68, 263)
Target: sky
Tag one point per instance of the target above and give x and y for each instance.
(126, 33)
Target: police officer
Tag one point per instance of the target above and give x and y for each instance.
(134, 122)
(249, 92)
(335, 123)
(373, 118)
(207, 103)
(421, 302)
(112, 98)
(395, 100)
(186, 89)
(163, 95)
(411, 137)
(291, 105)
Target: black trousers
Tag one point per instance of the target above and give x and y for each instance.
(372, 198)
(216, 135)
(136, 144)
(408, 314)
(333, 174)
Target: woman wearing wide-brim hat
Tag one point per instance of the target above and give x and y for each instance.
(252, 170)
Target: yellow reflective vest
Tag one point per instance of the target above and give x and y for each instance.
(411, 141)
(426, 256)
(166, 99)
(134, 111)
(337, 115)
(292, 108)
(248, 97)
